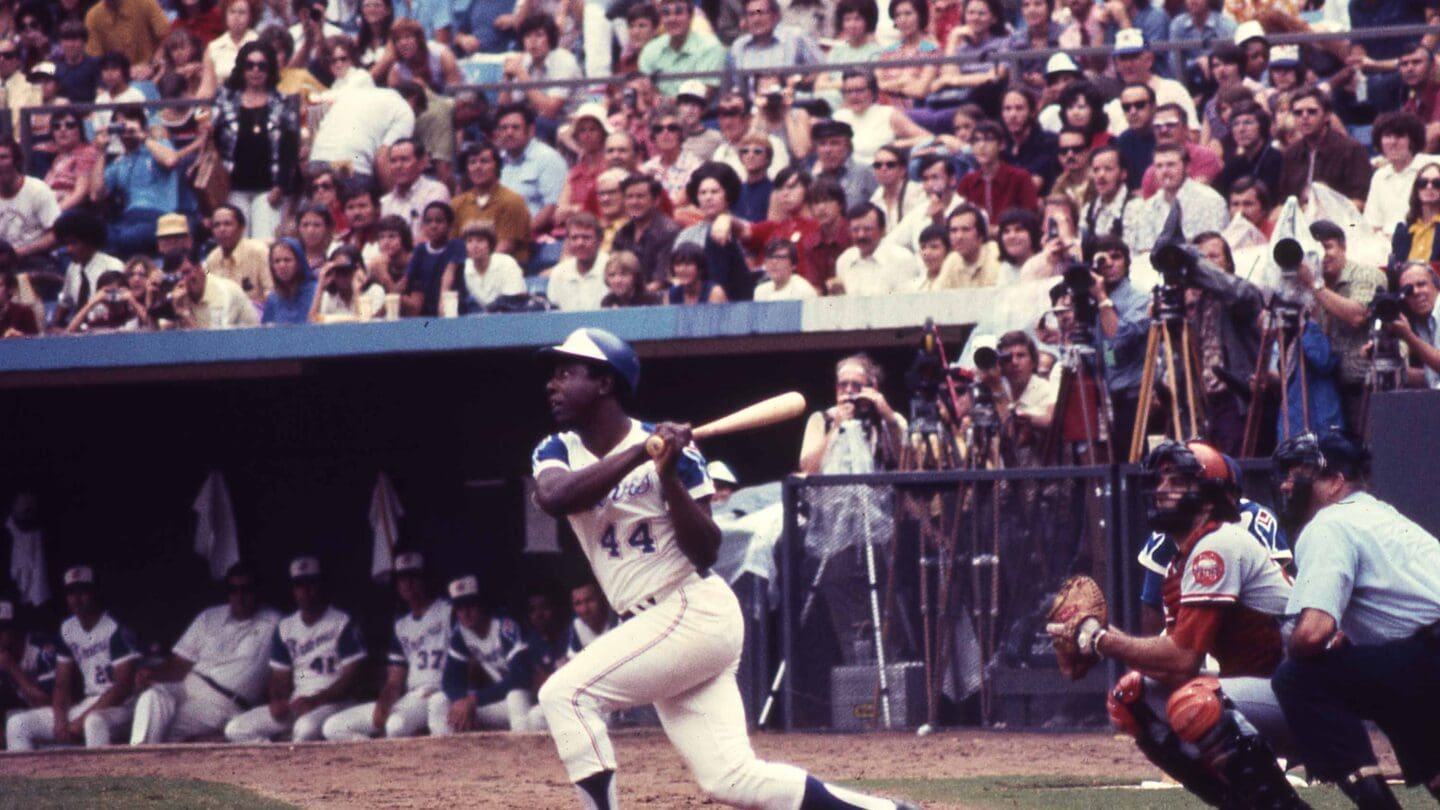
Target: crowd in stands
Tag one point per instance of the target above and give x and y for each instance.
(338, 160)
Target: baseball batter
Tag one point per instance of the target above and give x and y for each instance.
(103, 653)
(215, 671)
(645, 526)
(416, 660)
(315, 658)
(1223, 596)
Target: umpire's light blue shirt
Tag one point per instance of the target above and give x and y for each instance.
(1369, 567)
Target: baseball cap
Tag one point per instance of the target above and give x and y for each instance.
(410, 562)
(720, 471)
(7, 612)
(693, 90)
(602, 347)
(43, 70)
(172, 225)
(1061, 63)
(593, 110)
(304, 569)
(1129, 41)
(827, 128)
(79, 576)
(1246, 31)
(465, 589)
(1285, 56)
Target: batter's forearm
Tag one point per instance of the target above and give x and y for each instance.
(566, 492)
(695, 530)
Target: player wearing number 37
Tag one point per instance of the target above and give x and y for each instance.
(103, 653)
(644, 524)
(315, 657)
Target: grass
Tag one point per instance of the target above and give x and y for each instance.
(1084, 793)
(117, 792)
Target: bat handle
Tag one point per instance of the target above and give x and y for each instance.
(654, 446)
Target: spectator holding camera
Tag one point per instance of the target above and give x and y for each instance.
(1031, 398)
(1342, 292)
(112, 307)
(1418, 327)
(345, 293)
(1120, 330)
(140, 183)
(206, 302)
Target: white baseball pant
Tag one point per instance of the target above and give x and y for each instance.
(24, 729)
(510, 714)
(179, 711)
(256, 725)
(407, 718)
(681, 655)
(1253, 698)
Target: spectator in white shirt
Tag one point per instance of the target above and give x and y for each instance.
(488, 275)
(869, 267)
(413, 191)
(1201, 207)
(202, 301)
(83, 235)
(1400, 136)
(578, 281)
(781, 259)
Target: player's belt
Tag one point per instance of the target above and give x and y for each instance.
(651, 601)
(234, 698)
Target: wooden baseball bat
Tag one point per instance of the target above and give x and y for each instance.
(765, 412)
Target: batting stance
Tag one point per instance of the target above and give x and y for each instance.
(416, 660)
(645, 526)
(1223, 596)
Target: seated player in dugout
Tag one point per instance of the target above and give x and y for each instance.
(1223, 596)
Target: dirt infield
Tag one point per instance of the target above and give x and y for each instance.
(522, 771)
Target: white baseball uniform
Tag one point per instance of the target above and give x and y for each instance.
(229, 655)
(419, 645)
(315, 655)
(94, 653)
(581, 636)
(679, 650)
(504, 703)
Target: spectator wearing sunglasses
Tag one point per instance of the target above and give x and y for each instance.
(1134, 64)
(736, 121)
(671, 165)
(1323, 154)
(1137, 142)
(257, 131)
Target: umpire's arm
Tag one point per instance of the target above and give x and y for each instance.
(1313, 633)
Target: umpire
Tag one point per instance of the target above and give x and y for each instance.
(1367, 643)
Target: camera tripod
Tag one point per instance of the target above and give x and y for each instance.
(1083, 413)
(1282, 333)
(1169, 341)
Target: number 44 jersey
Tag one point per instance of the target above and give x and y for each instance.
(315, 654)
(628, 536)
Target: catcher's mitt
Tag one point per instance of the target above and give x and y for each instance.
(1075, 620)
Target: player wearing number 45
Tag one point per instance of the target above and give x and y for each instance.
(645, 526)
(215, 671)
(315, 657)
(103, 653)
(417, 654)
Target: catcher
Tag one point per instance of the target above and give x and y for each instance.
(1223, 596)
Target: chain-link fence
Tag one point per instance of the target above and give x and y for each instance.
(921, 596)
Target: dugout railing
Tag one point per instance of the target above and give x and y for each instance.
(1008, 538)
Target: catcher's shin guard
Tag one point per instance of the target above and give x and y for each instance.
(1155, 739)
(1201, 715)
(1368, 790)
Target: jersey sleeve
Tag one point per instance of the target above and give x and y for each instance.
(457, 667)
(551, 452)
(690, 466)
(189, 644)
(1325, 563)
(122, 646)
(457, 649)
(512, 641)
(1152, 590)
(1156, 554)
(1212, 573)
(1265, 528)
(63, 653)
(348, 646)
(279, 652)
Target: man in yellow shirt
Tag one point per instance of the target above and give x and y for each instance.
(134, 28)
(244, 261)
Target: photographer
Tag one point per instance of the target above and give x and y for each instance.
(1222, 310)
(112, 307)
(139, 185)
(1030, 398)
(206, 302)
(1418, 327)
(1342, 292)
(1120, 331)
(861, 433)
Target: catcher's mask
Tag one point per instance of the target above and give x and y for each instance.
(1181, 479)
(1302, 460)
